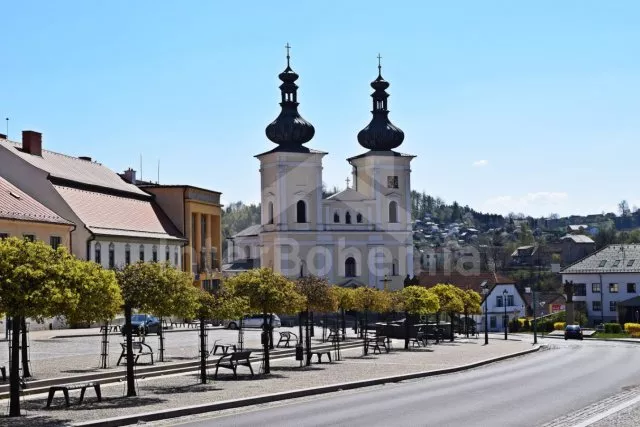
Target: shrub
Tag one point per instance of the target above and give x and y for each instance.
(526, 325)
(559, 326)
(632, 328)
(612, 328)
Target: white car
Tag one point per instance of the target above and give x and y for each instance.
(253, 321)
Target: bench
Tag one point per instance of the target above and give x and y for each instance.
(139, 349)
(319, 354)
(224, 347)
(376, 342)
(232, 361)
(286, 338)
(335, 335)
(80, 386)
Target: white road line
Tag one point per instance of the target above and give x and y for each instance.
(609, 412)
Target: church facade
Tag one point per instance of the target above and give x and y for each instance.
(358, 237)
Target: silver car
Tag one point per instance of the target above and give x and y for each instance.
(253, 321)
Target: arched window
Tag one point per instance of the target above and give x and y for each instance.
(350, 267)
(301, 211)
(347, 218)
(154, 253)
(175, 257)
(359, 218)
(270, 213)
(166, 254)
(394, 267)
(393, 211)
(142, 253)
(127, 254)
(97, 256)
(112, 255)
(247, 252)
(336, 217)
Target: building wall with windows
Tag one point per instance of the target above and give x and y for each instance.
(51, 234)
(116, 253)
(515, 304)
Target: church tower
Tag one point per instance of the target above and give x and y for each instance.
(291, 177)
(384, 175)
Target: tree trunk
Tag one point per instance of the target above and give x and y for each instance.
(265, 343)
(203, 354)
(312, 325)
(307, 337)
(344, 325)
(407, 329)
(271, 346)
(14, 369)
(355, 326)
(438, 328)
(161, 346)
(451, 327)
(25, 348)
(131, 382)
(466, 322)
(364, 328)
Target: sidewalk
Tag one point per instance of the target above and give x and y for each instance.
(163, 393)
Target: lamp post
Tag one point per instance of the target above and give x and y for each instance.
(485, 292)
(385, 282)
(505, 321)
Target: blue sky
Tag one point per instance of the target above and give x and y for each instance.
(528, 107)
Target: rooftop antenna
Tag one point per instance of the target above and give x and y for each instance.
(158, 181)
(7, 120)
(140, 166)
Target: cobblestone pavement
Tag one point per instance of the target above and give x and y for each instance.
(182, 390)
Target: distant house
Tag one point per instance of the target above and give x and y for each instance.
(575, 247)
(243, 251)
(579, 228)
(524, 255)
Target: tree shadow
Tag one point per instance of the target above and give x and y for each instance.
(313, 367)
(247, 377)
(33, 421)
(174, 358)
(90, 403)
(191, 388)
(81, 371)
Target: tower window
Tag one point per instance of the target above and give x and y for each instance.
(347, 218)
(359, 218)
(127, 254)
(141, 253)
(175, 257)
(336, 217)
(270, 213)
(154, 253)
(97, 256)
(350, 267)
(392, 182)
(166, 254)
(112, 255)
(301, 212)
(393, 212)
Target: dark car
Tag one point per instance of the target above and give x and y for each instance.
(573, 331)
(143, 324)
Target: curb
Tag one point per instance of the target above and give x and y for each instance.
(256, 400)
(622, 340)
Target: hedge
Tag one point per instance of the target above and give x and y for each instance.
(632, 328)
(612, 328)
(559, 326)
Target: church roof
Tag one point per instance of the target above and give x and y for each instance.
(348, 195)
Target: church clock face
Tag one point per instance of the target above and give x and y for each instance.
(392, 182)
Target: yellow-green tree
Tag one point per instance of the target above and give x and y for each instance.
(370, 300)
(450, 302)
(346, 299)
(319, 298)
(416, 301)
(268, 293)
(471, 301)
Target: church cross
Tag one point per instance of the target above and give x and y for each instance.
(348, 181)
(379, 64)
(287, 46)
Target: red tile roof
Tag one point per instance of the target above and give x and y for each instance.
(105, 214)
(17, 205)
(472, 281)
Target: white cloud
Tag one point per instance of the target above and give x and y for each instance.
(480, 163)
(539, 203)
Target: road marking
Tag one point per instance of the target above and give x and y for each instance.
(608, 413)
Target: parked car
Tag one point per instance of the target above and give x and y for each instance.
(573, 331)
(253, 321)
(143, 324)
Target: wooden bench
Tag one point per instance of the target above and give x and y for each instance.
(139, 349)
(80, 386)
(319, 353)
(286, 338)
(376, 342)
(232, 361)
(224, 347)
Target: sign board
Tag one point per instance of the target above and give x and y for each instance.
(557, 307)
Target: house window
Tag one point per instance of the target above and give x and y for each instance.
(596, 306)
(359, 218)
(112, 255)
(499, 301)
(630, 262)
(347, 218)
(301, 212)
(54, 241)
(141, 253)
(247, 252)
(613, 288)
(203, 229)
(167, 256)
(493, 323)
(203, 260)
(29, 237)
(350, 267)
(270, 213)
(154, 253)
(616, 263)
(580, 290)
(214, 258)
(510, 301)
(612, 306)
(4, 235)
(175, 257)
(602, 263)
(595, 288)
(392, 182)
(393, 212)
(336, 217)
(97, 254)
(127, 254)
(631, 288)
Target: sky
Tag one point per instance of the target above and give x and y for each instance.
(529, 107)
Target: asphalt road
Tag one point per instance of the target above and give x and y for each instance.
(527, 391)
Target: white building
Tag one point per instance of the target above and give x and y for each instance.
(501, 297)
(605, 280)
(360, 236)
(116, 223)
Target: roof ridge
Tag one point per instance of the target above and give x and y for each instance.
(19, 145)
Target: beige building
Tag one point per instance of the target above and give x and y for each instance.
(359, 237)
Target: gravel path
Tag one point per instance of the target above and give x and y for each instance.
(182, 390)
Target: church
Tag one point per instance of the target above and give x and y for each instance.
(361, 236)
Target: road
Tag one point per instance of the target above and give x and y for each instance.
(527, 391)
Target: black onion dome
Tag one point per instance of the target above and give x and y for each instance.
(380, 134)
(289, 129)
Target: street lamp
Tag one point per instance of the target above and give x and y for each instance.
(485, 292)
(385, 282)
(505, 321)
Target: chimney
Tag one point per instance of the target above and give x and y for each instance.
(32, 142)
(85, 158)
(130, 176)
(3, 136)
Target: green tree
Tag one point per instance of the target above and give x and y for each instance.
(416, 301)
(471, 302)
(268, 293)
(370, 300)
(319, 298)
(449, 302)
(346, 301)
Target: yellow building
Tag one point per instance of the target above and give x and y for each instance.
(197, 213)
(24, 217)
